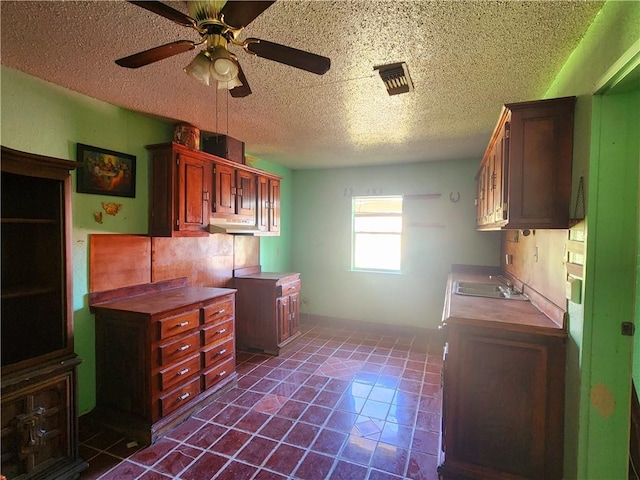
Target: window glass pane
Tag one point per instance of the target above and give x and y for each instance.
(377, 233)
(377, 205)
(378, 224)
(377, 251)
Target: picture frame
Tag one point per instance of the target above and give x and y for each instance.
(105, 172)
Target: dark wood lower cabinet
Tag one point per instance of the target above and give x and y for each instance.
(268, 311)
(162, 352)
(39, 425)
(503, 404)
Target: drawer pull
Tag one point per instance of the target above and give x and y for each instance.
(221, 374)
(183, 372)
(183, 347)
(220, 312)
(221, 331)
(182, 324)
(184, 396)
(221, 352)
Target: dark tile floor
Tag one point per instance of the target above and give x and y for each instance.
(343, 403)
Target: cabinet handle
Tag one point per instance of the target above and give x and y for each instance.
(221, 331)
(220, 312)
(493, 180)
(184, 396)
(182, 324)
(221, 374)
(221, 352)
(183, 347)
(183, 372)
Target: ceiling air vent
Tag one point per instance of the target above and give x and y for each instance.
(395, 77)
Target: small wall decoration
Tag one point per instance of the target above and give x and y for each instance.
(111, 208)
(105, 172)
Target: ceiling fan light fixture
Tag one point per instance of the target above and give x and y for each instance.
(223, 67)
(200, 68)
(231, 84)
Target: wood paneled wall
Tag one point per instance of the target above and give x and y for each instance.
(123, 260)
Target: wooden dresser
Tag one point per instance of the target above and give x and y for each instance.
(268, 310)
(162, 351)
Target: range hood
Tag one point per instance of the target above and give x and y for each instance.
(233, 226)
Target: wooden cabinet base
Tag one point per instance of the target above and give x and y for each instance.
(275, 350)
(268, 314)
(147, 433)
(39, 425)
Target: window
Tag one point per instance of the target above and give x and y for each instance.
(377, 233)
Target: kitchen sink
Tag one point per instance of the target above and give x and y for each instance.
(487, 290)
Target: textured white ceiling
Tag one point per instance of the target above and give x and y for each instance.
(466, 59)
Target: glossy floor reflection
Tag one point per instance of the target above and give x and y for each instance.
(343, 403)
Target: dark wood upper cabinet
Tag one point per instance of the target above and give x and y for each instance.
(268, 201)
(524, 179)
(188, 188)
(180, 189)
(39, 406)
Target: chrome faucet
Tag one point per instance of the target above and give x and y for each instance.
(505, 281)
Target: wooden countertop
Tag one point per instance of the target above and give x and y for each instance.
(162, 300)
(494, 312)
(275, 276)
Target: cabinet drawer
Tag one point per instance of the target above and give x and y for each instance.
(179, 397)
(218, 373)
(183, 370)
(180, 323)
(219, 310)
(179, 348)
(217, 353)
(215, 333)
(290, 287)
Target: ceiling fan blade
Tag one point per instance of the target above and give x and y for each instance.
(289, 56)
(241, 13)
(244, 89)
(154, 54)
(166, 12)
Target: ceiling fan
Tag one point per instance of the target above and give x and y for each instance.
(219, 27)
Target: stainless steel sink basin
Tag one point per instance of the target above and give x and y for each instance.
(487, 290)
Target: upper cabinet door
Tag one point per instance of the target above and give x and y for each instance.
(193, 193)
(262, 194)
(225, 189)
(246, 193)
(274, 205)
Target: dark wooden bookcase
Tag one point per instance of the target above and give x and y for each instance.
(39, 399)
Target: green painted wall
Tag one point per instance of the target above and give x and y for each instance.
(321, 248)
(275, 252)
(42, 118)
(594, 449)
(610, 287)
